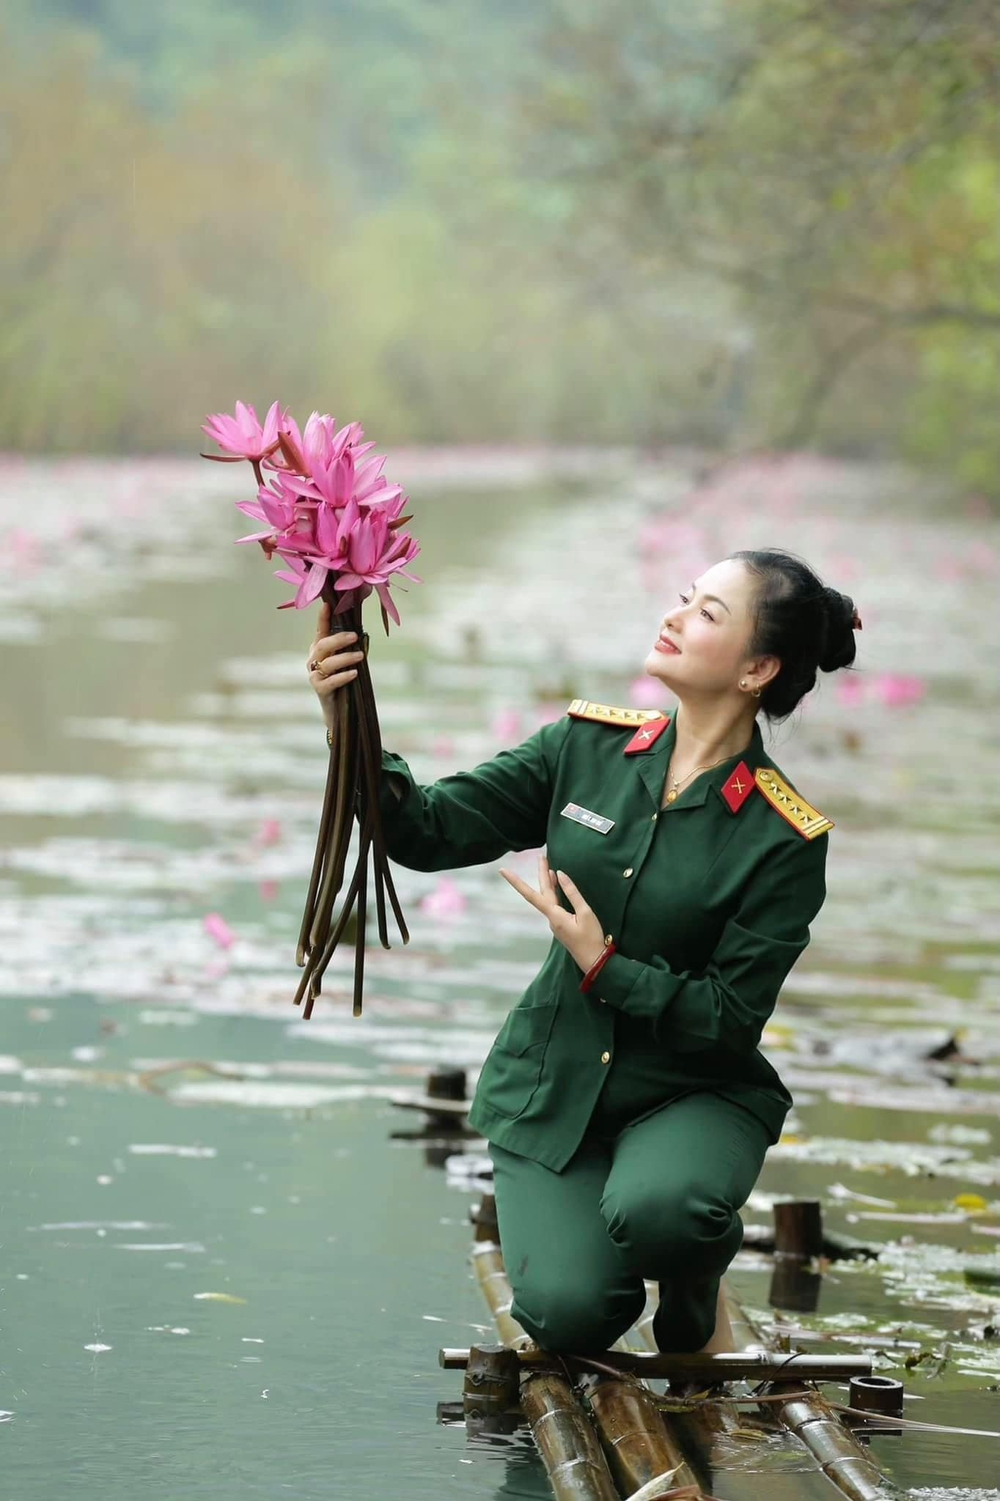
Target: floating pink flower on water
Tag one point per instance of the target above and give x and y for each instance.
(506, 725)
(268, 833)
(446, 900)
(898, 690)
(242, 435)
(216, 927)
(25, 548)
(547, 714)
(947, 566)
(984, 557)
(645, 693)
(849, 691)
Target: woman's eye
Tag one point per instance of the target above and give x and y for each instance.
(685, 599)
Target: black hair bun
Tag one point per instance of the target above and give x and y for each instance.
(839, 648)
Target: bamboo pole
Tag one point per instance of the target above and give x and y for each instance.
(807, 1414)
(489, 1268)
(637, 1444)
(690, 1443)
(725, 1365)
(703, 1426)
(563, 1435)
(565, 1439)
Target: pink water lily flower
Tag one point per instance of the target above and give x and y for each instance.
(446, 900)
(309, 580)
(316, 447)
(362, 547)
(374, 552)
(332, 526)
(328, 511)
(242, 435)
(292, 522)
(899, 689)
(216, 927)
(337, 479)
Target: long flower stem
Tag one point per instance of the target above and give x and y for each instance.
(352, 791)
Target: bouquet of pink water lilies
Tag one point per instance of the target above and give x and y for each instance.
(337, 522)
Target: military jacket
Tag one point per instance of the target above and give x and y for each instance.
(708, 899)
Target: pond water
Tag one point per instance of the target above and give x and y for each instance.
(221, 1274)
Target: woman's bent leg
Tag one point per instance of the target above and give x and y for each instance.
(671, 1205)
(573, 1292)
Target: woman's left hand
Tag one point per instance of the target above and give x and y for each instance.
(578, 931)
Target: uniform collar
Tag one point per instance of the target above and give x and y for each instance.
(653, 769)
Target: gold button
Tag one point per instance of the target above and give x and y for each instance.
(602, 1000)
(655, 817)
(605, 1057)
(627, 871)
(608, 938)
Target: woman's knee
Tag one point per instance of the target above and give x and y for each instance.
(577, 1319)
(662, 1228)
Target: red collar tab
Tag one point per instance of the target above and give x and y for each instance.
(646, 736)
(738, 788)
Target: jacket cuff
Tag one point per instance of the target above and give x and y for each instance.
(617, 979)
(396, 786)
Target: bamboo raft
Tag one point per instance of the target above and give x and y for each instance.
(604, 1435)
(599, 1428)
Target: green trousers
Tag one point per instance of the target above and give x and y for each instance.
(657, 1199)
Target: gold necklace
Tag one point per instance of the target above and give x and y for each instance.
(675, 785)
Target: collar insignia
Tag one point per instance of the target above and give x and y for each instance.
(643, 739)
(739, 787)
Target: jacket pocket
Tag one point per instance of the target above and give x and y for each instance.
(513, 1067)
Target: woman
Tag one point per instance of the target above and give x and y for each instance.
(627, 1107)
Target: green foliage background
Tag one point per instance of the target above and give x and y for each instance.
(732, 224)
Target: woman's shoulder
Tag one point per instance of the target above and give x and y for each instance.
(602, 721)
(610, 714)
(794, 816)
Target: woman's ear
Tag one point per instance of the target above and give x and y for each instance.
(766, 669)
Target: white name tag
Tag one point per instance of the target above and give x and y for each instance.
(590, 820)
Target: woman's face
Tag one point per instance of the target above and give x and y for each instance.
(709, 624)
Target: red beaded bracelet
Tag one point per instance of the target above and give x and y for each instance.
(598, 964)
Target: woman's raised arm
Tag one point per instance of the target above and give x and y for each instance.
(473, 816)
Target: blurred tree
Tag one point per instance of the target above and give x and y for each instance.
(836, 164)
(742, 222)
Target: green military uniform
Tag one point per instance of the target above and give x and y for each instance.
(639, 1112)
